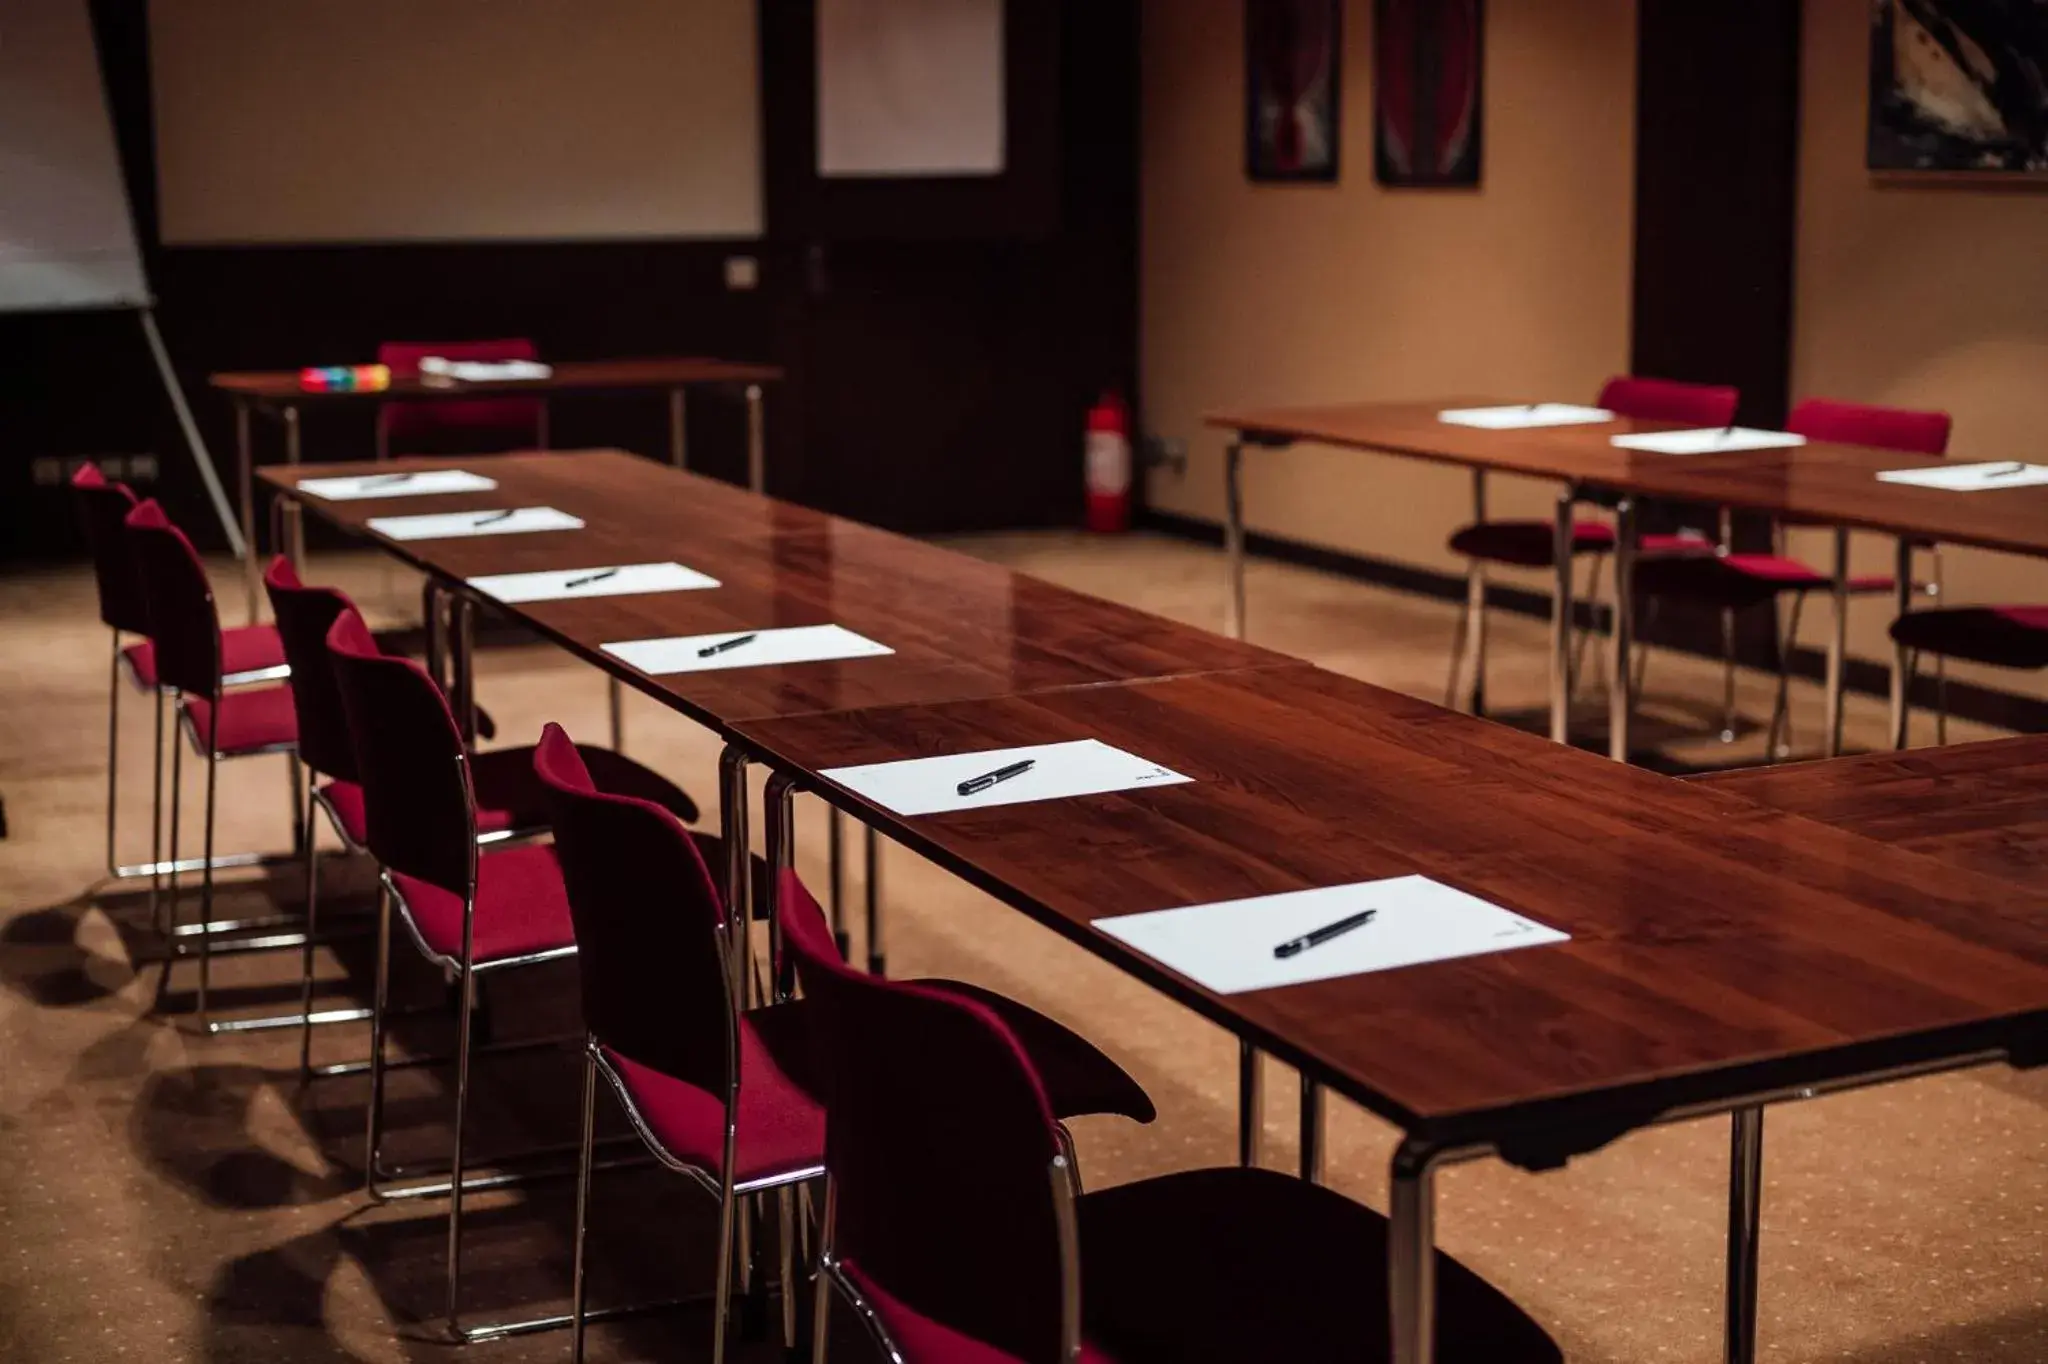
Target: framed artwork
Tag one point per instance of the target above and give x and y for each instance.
(1959, 86)
(1293, 73)
(1427, 91)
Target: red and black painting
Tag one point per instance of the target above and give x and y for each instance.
(1427, 91)
(1291, 87)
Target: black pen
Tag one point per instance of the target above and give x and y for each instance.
(987, 779)
(504, 515)
(2004, 470)
(589, 578)
(381, 479)
(1324, 934)
(724, 644)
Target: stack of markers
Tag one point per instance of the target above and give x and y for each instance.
(345, 379)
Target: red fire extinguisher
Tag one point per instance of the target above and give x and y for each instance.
(1108, 467)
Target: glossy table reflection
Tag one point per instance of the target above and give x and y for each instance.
(277, 393)
(1723, 954)
(1982, 807)
(1832, 485)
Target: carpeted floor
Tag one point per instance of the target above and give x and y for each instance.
(169, 1198)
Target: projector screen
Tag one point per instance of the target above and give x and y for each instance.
(66, 238)
(450, 120)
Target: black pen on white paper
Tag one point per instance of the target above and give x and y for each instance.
(1293, 946)
(505, 515)
(2006, 470)
(381, 480)
(974, 785)
(724, 644)
(589, 578)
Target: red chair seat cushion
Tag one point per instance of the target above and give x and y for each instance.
(250, 721)
(1527, 543)
(1223, 1265)
(781, 1125)
(2005, 636)
(248, 653)
(921, 1340)
(1740, 580)
(521, 908)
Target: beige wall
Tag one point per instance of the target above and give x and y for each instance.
(1287, 293)
(1924, 295)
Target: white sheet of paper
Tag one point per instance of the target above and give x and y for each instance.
(425, 483)
(1970, 478)
(796, 644)
(928, 786)
(1521, 416)
(485, 371)
(1228, 946)
(562, 584)
(454, 525)
(1708, 440)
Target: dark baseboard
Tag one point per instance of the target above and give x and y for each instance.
(1969, 701)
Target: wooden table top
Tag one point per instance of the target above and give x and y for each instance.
(961, 627)
(1822, 482)
(282, 385)
(1720, 949)
(1981, 806)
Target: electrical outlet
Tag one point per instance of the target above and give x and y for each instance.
(1167, 451)
(742, 273)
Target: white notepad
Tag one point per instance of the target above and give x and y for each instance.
(1522, 416)
(797, 644)
(1709, 440)
(603, 580)
(927, 786)
(484, 371)
(454, 525)
(1970, 478)
(423, 483)
(1228, 946)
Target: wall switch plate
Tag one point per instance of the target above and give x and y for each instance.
(742, 272)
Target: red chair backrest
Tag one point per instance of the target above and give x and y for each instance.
(304, 616)
(516, 419)
(419, 808)
(939, 1144)
(1887, 428)
(649, 921)
(183, 624)
(1668, 400)
(102, 508)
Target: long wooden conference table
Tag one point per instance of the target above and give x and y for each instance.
(279, 394)
(1818, 482)
(1722, 955)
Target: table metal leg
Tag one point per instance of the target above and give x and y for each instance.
(778, 810)
(615, 703)
(878, 959)
(294, 537)
(757, 450)
(245, 483)
(1838, 641)
(1411, 1255)
(1745, 1210)
(1233, 539)
(678, 431)
(835, 856)
(1902, 569)
(732, 832)
(462, 632)
(1620, 697)
(1314, 1156)
(1561, 620)
(434, 620)
(1251, 1105)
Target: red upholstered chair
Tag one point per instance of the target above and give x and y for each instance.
(187, 661)
(513, 422)
(658, 954)
(1207, 1265)
(1735, 582)
(249, 654)
(1531, 544)
(470, 906)
(2004, 636)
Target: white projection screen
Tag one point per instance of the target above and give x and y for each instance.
(66, 237)
(455, 120)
